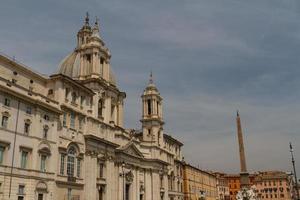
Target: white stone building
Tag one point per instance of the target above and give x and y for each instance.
(62, 136)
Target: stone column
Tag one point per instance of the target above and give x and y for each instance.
(156, 186)
(161, 107)
(145, 108)
(90, 189)
(81, 66)
(120, 114)
(109, 175)
(148, 185)
(153, 106)
(106, 69)
(107, 110)
(166, 187)
(121, 183)
(137, 184)
(59, 92)
(95, 106)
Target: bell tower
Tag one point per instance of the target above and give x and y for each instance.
(152, 118)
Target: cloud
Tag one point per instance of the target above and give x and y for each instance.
(209, 58)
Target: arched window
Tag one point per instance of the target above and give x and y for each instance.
(71, 161)
(149, 106)
(100, 108)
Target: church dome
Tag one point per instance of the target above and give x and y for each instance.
(70, 65)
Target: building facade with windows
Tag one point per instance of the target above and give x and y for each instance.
(62, 136)
(273, 185)
(222, 186)
(199, 184)
(234, 184)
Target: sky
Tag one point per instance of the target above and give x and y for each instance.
(209, 58)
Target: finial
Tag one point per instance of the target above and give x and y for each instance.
(87, 19)
(96, 22)
(291, 147)
(151, 78)
(96, 26)
(237, 113)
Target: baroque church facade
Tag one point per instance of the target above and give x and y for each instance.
(62, 136)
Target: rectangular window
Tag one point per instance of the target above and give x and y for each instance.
(40, 196)
(70, 166)
(24, 158)
(78, 167)
(80, 123)
(69, 193)
(43, 162)
(45, 132)
(101, 170)
(82, 99)
(21, 190)
(161, 178)
(67, 93)
(65, 119)
(62, 164)
(1, 154)
(7, 102)
(26, 128)
(4, 121)
(28, 110)
(72, 121)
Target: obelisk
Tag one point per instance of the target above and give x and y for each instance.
(244, 175)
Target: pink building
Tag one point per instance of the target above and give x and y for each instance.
(273, 185)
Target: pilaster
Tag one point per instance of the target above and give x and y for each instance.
(90, 189)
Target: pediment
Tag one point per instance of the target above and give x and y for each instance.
(132, 150)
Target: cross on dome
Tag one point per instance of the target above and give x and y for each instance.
(151, 78)
(87, 19)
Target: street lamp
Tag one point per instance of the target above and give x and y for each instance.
(294, 168)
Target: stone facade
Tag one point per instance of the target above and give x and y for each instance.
(62, 136)
(199, 184)
(222, 186)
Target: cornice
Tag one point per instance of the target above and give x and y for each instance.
(23, 68)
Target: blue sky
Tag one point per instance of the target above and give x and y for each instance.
(209, 58)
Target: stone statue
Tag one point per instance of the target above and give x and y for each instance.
(246, 194)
